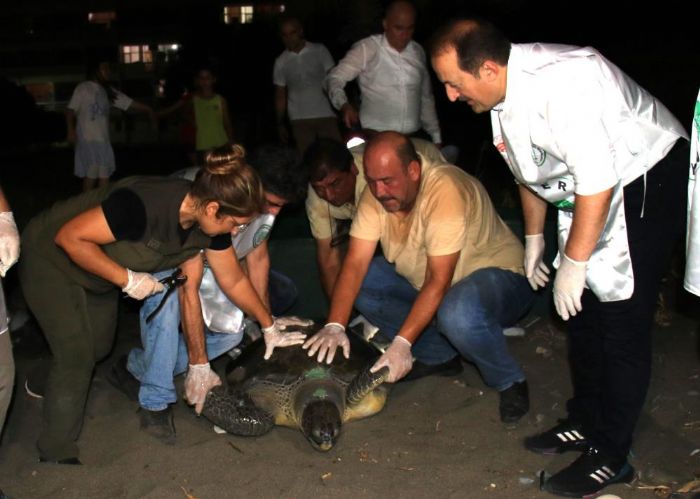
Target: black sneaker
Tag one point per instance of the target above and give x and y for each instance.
(420, 370)
(564, 437)
(158, 424)
(121, 379)
(514, 403)
(589, 474)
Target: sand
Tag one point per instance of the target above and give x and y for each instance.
(437, 437)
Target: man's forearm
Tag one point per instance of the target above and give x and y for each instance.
(192, 325)
(534, 211)
(329, 263)
(590, 215)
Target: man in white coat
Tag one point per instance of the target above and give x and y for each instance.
(578, 133)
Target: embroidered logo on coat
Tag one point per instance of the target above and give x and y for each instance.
(538, 155)
(261, 234)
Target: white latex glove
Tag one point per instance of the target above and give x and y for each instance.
(200, 379)
(9, 242)
(275, 337)
(327, 340)
(142, 285)
(398, 357)
(292, 321)
(536, 271)
(568, 286)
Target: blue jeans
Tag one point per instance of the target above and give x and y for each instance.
(469, 321)
(282, 292)
(164, 353)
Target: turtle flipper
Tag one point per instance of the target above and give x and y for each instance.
(236, 413)
(364, 383)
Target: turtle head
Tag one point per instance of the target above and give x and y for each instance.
(320, 423)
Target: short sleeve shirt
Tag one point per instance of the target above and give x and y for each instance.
(323, 215)
(303, 74)
(453, 213)
(91, 106)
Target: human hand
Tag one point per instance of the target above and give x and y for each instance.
(275, 337)
(9, 242)
(200, 379)
(568, 286)
(292, 321)
(350, 116)
(327, 340)
(397, 357)
(141, 285)
(536, 270)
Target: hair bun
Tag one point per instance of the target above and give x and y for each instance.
(224, 159)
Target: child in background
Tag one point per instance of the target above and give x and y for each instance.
(207, 112)
(87, 120)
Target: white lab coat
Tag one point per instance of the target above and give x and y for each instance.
(573, 123)
(692, 262)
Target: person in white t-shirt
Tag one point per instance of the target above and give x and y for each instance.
(298, 76)
(578, 133)
(391, 71)
(87, 122)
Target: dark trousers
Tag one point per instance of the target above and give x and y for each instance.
(79, 327)
(610, 342)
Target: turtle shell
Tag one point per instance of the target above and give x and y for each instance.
(294, 390)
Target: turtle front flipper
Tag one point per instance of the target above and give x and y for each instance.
(236, 413)
(364, 383)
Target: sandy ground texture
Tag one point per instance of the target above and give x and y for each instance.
(437, 437)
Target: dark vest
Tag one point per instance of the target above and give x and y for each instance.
(160, 248)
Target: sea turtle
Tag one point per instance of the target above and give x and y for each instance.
(294, 390)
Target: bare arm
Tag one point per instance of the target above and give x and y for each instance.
(191, 310)
(258, 263)
(590, 214)
(81, 238)
(4, 205)
(227, 119)
(438, 279)
(236, 286)
(176, 106)
(281, 112)
(329, 261)
(70, 125)
(534, 211)
(353, 271)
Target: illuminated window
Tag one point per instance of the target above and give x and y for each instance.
(102, 17)
(136, 53)
(242, 14)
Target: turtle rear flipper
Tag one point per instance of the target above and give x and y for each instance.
(236, 413)
(364, 383)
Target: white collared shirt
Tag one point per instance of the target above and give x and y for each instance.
(302, 74)
(395, 86)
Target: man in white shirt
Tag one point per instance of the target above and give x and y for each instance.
(298, 76)
(393, 77)
(580, 134)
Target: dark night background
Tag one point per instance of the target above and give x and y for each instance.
(653, 42)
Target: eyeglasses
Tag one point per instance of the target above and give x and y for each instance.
(241, 228)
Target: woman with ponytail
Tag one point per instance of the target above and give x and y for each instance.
(80, 253)
(87, 122)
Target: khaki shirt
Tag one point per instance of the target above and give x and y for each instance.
(452, 213)
(323, 215)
